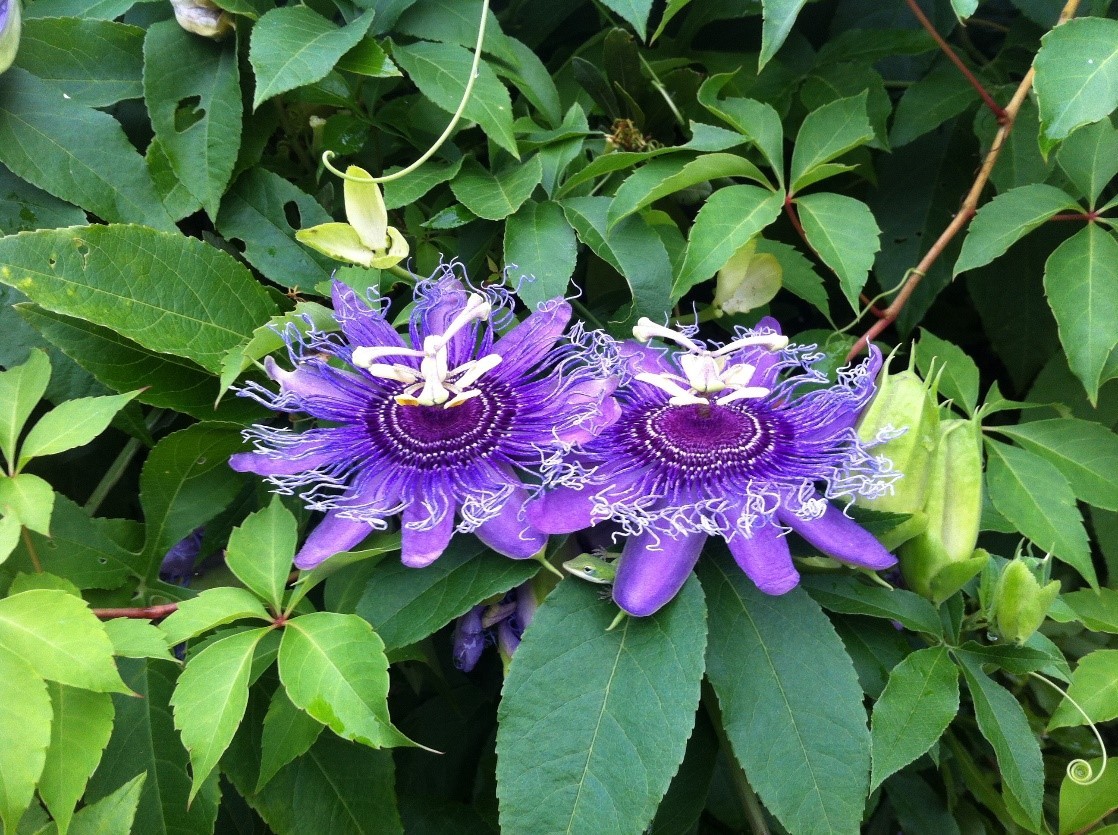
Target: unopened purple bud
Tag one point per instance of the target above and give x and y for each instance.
(469, 639)
(178, 564)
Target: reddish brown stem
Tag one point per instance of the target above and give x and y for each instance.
(873, 308)
(139, 612)
(952, 56)
(1087, 217)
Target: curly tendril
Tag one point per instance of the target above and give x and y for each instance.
(430, 152)
(1079, 771)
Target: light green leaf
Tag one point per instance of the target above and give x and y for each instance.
(829, 132)
(29, 500)
(847, 594)
(496, 196)
(76, 153)
(134, 638)
(541, 244)
(758, 121)
(368, 58)
(210, 699)
(919, 702)
(210, 609)
(71, 425)
(21, 389)
(261, 549)
(1090, 158)
(25, 728)
(1033, 495)
(1006, 219)
(294, 46)
(1098, 610)
(1084, 451)
(667, 175)
(621, 696)
(957, 373)
(635, 13)
(96, 62)
(192, 91)
(405, 605)
(1077, 74)
(83, 722)
(440, 71)
(333, 667)
(60, 638)
(10, 530)
(114, 813)
(1081, 807)
(846, 236)
(728, 219)
(964, 8)
(779, 15)
(790, 701)
(798, 276)
(288, 733)
(1003, 723)
(169, 293)
(407, 190)
(1094, 685)
(1081, 282)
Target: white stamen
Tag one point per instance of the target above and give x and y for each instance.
(772, 341)
(646, 329)
(364, 357)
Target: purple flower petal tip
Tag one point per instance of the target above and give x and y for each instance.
(652, 570)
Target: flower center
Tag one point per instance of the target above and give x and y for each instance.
(433, 437)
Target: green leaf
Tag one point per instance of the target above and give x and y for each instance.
(92, 9)
(1003, 723)
(134, 638)
(779, 15)
(261, 549)
(25, 728)
(83, 722)
(667, 175)
(210, 699)
(728, 219)
(28, 499)
(144, 741)
(342, 787)
(288, 733)
(790, 701)
(1077, 74)
(95, 62)
(1098, 610)
(1006, 219)
(1094, 685)
(405, 605)
(757, 121)
(1084, 451)
(496, 196)
(632, 248)
(333, 667)
(940, 95)
(958, 374)
(169, 293)
(186, 481)
(1090, 158)
(621, 696)
(829, 132)
(875, 647)
(1033, 495)
(635, 12)
(24, 207)
(71, 425)
(440, 71)
(919, 702)
(964, 8)
(407, 190)
(114, 813)
(10, 532)
(1081, 282)
(210, 609)
(1013, 659)
(1081, 807)
(60, 638)
(21, 389)
(76, 153)
(843, 232)
(177, 199)
(192, 91)
(368, 58)
(542, 246)
(294, 46)
(798, 276)
(847, 594)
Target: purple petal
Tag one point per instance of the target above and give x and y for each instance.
(840, 537)
(469, 639)
(643, 359)
(509, 534)
(304, 382)
(583, 396)
(765, 559)
(333, 535)
(562, 510)
(528, 343)
(648, 578)
(362, 325)
(837, 408)
(422, 546)
(293, 462)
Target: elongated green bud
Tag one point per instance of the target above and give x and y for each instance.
(939, 561)
(1020, 603)
(10, 25)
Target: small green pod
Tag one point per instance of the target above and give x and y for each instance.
(1020, 603)
(10, 27)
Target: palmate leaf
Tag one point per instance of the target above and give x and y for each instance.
(210, 609)
(288, 733)
(1077, 75)
(845, 234)
(579, 701)
(71, 424)
(25, 720)
(1084, 451)
(261, 549)
(790, 702)
(828, 132)
(542, 245)
(1094, 686)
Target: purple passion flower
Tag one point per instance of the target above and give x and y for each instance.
(722, 441)
(437, 429)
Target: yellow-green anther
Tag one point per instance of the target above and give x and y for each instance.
(1020, 603)
(747, 281)
(10, 25)
(202, 17)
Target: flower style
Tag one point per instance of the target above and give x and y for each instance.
(721, 441)
(438, 427)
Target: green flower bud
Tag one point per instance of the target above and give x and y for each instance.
(1020, 603)
(939, 561)
(203, 17)
(747, 281)
(10, 26)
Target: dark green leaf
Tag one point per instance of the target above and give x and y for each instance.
(496, 196)
(96, 62)
(779, 16)
(1006, 219)
(1077, 74)
(288, 733)
(758, 121)
(829, 132)
(1090, 158)
(542, 246)
(940, 95)
(847, 594)
(24, 207)
(798, 276)
(1084, 451)
(342, 787)
(114, 813)
(409, 189)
